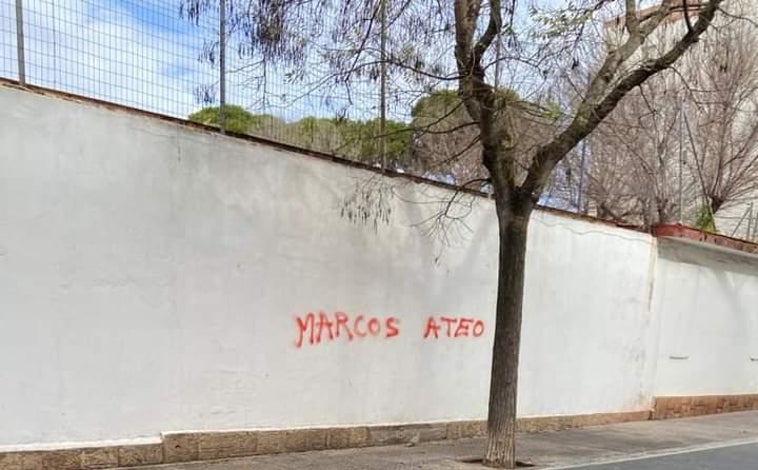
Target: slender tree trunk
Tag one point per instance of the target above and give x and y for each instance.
(513, 218)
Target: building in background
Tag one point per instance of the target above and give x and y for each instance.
(684, 146)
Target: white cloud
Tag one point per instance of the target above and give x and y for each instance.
(141, 53)
(115, 51)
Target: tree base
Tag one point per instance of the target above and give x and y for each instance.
(480, 461)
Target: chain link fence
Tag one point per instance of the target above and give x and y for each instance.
(137, 53)
(170, 57)
(154, 55)
(743, 226)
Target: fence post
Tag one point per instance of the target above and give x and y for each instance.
(749, 223)
(222, 65)
(20, 42)
(383, 82)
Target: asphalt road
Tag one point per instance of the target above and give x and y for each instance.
(743, 457)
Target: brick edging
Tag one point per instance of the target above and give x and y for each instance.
(686, 406)
(212, 445)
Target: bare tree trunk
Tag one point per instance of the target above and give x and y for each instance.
(513, 219)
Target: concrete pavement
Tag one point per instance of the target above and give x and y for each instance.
(716, 437)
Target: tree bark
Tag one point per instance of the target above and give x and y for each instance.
(513, 220)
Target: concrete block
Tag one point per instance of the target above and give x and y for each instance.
(301, 440)
(466, 429)
(389, 435)
(674, 407)
(102, 457)
(220, 445)
(384, 436)
(180, 447)
(12, 461)
(67, 459)
(557, 423)
(271, 442)
(296, 440)
(147, 454)
(431, 432)
(343, 438)
(31, 460)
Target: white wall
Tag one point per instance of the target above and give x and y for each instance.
(707, 300)
(151, 276)
(586, 320)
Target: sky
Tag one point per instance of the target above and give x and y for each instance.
(132, 52)
(139, 53)
(142, 53)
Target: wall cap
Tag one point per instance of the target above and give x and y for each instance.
(704, 239)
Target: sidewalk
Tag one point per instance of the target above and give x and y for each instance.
(545, 450)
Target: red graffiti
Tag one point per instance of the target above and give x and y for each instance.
(452, 327)
(314, 328)
(392, 327)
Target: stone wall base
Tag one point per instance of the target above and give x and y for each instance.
(199, 446)
(680, 407)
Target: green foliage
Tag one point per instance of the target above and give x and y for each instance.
(310, 126)
(505, 96)
(436, 104)
(705, 220)
(320, 134)
(442, 102)
(267, 124)
(362, 140)
(242, 121)
(552, 110)
(357, 140)
(238, 119)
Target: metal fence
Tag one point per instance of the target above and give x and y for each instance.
(152, 55)
(156, 56)
(745, 226)
(138, 53)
